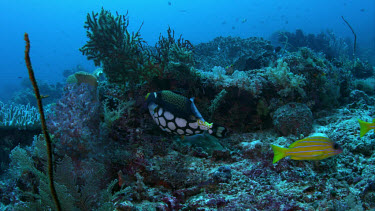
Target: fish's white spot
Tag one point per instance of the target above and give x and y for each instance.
(160, 112)
(168, 115)
(197, 131)
(171, 126)
(181, 122)
(203, 127)
(179, 131)
(193, 125)
(166, 129)
(151, 108)
(156, 120)
(189, 131)
(162, 121)
(210, 131)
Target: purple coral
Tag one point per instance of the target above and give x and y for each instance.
(74, 120)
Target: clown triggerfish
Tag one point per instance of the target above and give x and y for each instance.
(177, 114)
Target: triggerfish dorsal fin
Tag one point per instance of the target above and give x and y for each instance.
(195, 111)
(279, 153)
(177, 92)
(364, 126)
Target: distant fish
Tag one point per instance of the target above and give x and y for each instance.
(362, 10)
(366, 126)
(244, 20)
(286, 22)
(311, 148)
(224, 22)
(229, 70)
(233, 27)
(19, 77)
(169, 3)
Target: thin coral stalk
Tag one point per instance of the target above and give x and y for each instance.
(355, 35)
(43, 121)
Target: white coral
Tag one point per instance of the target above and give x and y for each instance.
(282, 77)
(245, 80)
(18, 116)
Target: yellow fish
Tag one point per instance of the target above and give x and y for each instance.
(366, 126)
(310, 148)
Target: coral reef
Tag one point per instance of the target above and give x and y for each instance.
(110, 155)
(27, 96)
(326, 42)
(244, 54)
(362, 69)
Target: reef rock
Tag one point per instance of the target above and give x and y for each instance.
(293, 118)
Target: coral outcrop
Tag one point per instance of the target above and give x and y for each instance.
(244, 54)
(293, 118)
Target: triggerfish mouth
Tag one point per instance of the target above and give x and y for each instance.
(310, 148)
(178, 115)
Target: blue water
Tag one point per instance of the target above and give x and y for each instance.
(56, 27)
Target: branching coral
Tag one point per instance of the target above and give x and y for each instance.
(120, 52)
(169, 49)
(18, 116)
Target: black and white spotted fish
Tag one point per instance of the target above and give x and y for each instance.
(177, 114)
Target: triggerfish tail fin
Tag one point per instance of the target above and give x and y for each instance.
(219, 131)
(279, 153)
(365, 127)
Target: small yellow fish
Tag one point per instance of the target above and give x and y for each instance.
(310, 148)
(366, 126)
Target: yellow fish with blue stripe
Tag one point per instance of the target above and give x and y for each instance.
(178, 115)
(310, 148)
(366, 126)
